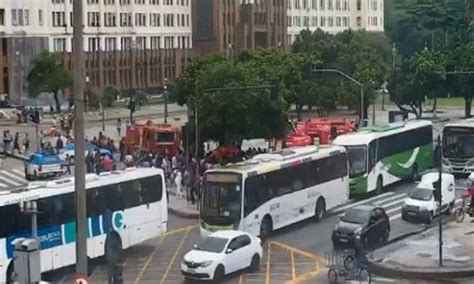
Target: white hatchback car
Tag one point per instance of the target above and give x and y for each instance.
(222, 253)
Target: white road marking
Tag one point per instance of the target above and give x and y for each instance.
(381, 202)
(14, 176)
(388, 205)
(363, 201)
(388, 212)
(10, 181)
(395, 217)
(19, 171)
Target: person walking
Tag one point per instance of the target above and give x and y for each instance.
(7, 139)
(67, 163)
(16, 143)
(178, 181)
(119, 127)
(26, 144)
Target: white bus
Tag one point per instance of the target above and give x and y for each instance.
(124, 208)
(458, 147)
(274, 190)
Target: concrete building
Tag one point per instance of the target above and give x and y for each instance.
(129, 44)
(334, 16)
(230, 26)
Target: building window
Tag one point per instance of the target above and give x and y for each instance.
(155, 42)
(110, 44)
(314, 21)
(373, 5)
(314, 4)
(93, 44)
(359, 21)
(323, 21)
(330, 5)
(322, 5)
(110, 20)
(140, 19)
(125, 19)
(155, 20)
(93, 19)
(40, 17)
(338, 21)
(345, 21)
(2, 17)
(330, 21)
(14, 18)
(124, 2)
(169, 42)
(109, 2)
(59, 19)
(126, 43)
(359, 5)
(59, 45)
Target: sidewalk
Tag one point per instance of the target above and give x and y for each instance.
(180, 207)
(416, 257)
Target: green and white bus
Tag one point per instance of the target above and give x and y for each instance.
(383, 155)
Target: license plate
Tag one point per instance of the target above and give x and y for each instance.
(191, 270)
(343, 240)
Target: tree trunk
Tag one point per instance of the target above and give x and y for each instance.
(420, 110)
(56, 101)
(467, 107)
(298, 111)
(435, 105)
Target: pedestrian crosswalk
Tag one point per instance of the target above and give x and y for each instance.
(11, 178)
(392, 203)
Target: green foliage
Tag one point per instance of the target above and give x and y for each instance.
(109, 96)
(48, 75)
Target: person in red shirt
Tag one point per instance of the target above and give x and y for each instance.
(107, 163)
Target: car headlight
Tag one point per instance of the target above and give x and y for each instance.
(205, 263)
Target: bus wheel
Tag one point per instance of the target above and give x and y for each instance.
(415, 175)
(266, 227)
(379, 186)
(10, 271)
(320, 209)
(113, 248)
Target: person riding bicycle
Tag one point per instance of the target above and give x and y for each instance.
(360, 256)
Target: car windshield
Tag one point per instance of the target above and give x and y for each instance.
(419, 193)
(212, 244)
(458, 142)
(356, 216)
(51, 159)
(221, 198)
(164, 137)
(357, 160)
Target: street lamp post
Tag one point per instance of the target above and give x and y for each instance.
(131, 103)
(361, 116)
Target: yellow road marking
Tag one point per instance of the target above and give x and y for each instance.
(267, 275)
(308, 275)
(293, 270)
(186, 234)
(147, 263)
(241, 279)
(183, 229)
(298, 251)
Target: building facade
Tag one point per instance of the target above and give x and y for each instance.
(230, 26)
(129, 44)
(334, 16)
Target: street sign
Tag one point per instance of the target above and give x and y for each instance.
(80, 280)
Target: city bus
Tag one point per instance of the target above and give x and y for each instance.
(274, 190)
(382, 155)
(458, 147)
(124, 208)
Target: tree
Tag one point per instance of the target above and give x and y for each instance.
(48, 75)
(470, 7)
(110, 95)
(464, 59)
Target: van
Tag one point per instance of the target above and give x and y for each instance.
(421, 207)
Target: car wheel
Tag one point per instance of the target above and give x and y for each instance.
(332, 276)
(27, 176)
(219, 273)
(35, 174)
(266, 227)
(255, 263)
(379, 186)
(320, 209)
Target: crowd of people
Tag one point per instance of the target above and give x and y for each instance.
(15, 143)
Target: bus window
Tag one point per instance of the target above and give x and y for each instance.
(255, 193)
(151, 189)
(110, 198)
(131, 193)
(372, 155)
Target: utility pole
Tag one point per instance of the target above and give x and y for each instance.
(79, 170)
(440, 201)
(166, 99)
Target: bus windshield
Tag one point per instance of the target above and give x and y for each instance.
(357, 160)
(221, 199)
(458, 142)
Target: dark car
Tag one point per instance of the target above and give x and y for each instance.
(370, 222)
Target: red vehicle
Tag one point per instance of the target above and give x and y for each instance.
(319, 131)
(155, 138)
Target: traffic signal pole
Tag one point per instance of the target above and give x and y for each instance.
(79, 152)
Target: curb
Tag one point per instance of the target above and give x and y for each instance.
(182, 214)
(16, 156)
(434, 273)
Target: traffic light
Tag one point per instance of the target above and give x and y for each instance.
(437, 191)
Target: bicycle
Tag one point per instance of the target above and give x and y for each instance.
(350, 272)
(461, 211)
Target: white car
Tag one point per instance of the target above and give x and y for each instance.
(222, 253)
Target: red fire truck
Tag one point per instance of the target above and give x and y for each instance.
(154, 138)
